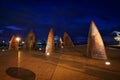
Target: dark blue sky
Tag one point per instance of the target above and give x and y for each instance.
(19, 16)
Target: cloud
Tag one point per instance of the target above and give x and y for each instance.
(14, 28)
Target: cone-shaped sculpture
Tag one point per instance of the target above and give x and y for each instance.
(13, 43)
(95, 47)
(30, 41)
(50, 42)
(67, 40)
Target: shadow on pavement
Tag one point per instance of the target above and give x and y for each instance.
(20, 73)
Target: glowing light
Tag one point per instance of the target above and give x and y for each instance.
(3, 41)
(3, 50)
(107, 63)
(23, 42)
(18, 39)
(117, 38)
(48, 54)
(61, 40)
(61, 46)
(40, 48)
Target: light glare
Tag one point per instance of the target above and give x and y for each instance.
(18, 39)
(40, 48)
(3, 50)
(107, 63)
(23, 42)
(48, 54)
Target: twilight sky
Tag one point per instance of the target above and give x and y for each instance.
(19, 16)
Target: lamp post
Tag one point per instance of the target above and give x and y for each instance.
(18, 40)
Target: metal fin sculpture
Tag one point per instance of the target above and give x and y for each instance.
(67, 40)
(30, 41)
(50, 42)
(95, 47)
(13, 44)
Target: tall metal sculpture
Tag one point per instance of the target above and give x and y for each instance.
(13, 44)
(67, 40)
(50, 42)
(30, 41)
(95, 47)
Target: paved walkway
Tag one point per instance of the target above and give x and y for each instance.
(55, 67)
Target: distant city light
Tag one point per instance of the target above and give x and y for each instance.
(23, 42)
(117, 38)
(3, 41)
(40, 48)
(107, 63)
(3, 50)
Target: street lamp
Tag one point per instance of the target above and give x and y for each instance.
(18, 39)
